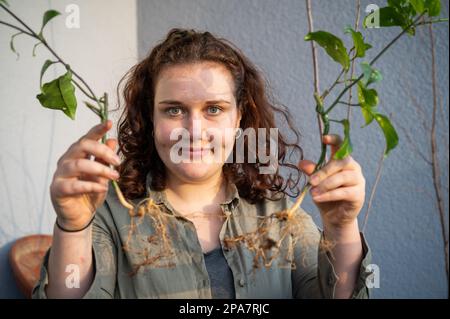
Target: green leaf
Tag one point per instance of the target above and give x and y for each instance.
(390, 17)
(368, 99)
(11, 44)
(389, 132)
(404, 7)
(371, 75)
(418, 5)
(48, 15)
(346, 146)
(4, 2)
(332, 45)
(59, 94)
(358, 41)
(44, 68)
(367, 113)
(34, 48)
(433, 7)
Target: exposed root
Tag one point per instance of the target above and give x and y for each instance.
(273, 240)
(122, 199)
(156, 249)
(284, 225)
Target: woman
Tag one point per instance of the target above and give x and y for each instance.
(195, 83)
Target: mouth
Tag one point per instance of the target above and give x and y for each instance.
(199, 150)
(195, 150)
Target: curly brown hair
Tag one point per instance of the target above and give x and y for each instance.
(257, 106)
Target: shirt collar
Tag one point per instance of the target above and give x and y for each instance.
(159, 197)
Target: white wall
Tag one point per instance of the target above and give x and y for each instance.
(32, 138)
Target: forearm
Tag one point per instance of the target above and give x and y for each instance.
(347, 254)
(70, 256)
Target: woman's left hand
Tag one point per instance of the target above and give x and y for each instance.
(338, 188)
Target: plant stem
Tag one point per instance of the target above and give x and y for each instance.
(373, 62)
(93, 109)
(82, 90)
(33, 34)
(92, 95)
(326, 92)
(349, 104)
(17, 18)
(432, 21)
(17, 28)
(315, 63)
(395, 39)
(434, 155)
(326, 129)
(104, 118)
(324, 114)
(102, 112)
(352, 69)
(323, 153)
(374, 188)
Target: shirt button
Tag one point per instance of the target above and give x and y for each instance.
(242, 282)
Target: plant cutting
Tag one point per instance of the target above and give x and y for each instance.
(59, 94)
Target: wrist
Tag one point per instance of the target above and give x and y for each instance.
(73, 226)
(348, 232)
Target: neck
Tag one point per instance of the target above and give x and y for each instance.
(204, 192)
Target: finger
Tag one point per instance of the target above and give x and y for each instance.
(85, 148)
(97, 132)
(343, 178)
(111, 143)
(332, 167)
(77, 187)
(334, 141)
(83, 166)
(350, 194)
(307, 166)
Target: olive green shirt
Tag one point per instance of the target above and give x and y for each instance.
(312, 277)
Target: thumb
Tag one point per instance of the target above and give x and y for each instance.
(307, 166)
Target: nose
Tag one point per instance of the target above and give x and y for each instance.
(196, 128)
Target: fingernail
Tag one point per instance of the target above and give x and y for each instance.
(115, 174)
(314, 179)
(116, 160)
(317, 198)
(315, 191)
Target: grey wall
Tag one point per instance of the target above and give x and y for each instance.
(403, 228)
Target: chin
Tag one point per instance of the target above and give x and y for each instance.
(195, 171)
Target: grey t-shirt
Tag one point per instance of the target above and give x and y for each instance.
(220, 275)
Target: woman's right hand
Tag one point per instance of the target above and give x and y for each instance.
(79, 184)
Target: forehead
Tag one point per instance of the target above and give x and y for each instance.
(194, 82)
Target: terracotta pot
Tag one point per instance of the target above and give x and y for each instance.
(26, 257)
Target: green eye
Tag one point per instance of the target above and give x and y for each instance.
(174, 111)
(214, 110)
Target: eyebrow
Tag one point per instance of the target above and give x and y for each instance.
(174, 102)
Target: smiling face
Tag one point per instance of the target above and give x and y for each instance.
(197, 99)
